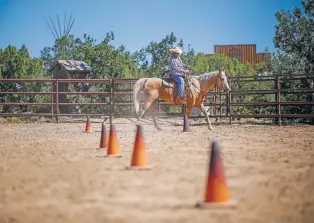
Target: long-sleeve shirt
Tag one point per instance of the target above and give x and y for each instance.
(176, 66)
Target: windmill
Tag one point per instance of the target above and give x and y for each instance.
(60, 35)
(66, 27)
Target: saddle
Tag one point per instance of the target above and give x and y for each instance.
(173, 84)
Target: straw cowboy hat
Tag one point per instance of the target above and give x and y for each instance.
(178, 50)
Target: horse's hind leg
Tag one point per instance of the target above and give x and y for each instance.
(146, 105)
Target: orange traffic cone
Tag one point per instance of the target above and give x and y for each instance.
(104, 136)
(217, 193)
(88, 127)
(113, 145)
(139, 157)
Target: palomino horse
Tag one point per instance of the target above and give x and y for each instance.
(156, 87)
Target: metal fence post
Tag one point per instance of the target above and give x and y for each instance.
(57, 100)
(52, 98)
(158, 106)
(215, 100)
(277, 84)
(110, 100)
(220, 110)
(229, 103)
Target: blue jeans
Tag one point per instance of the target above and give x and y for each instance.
(179, 79)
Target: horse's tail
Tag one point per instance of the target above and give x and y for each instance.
(139, 85)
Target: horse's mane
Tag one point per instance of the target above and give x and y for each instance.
(205, 76)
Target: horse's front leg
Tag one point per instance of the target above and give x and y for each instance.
(188, 111)
(203, 109)
(154, 114)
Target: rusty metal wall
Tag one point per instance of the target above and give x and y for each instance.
(260, 57)
(244, 53)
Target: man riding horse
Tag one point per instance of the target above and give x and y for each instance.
(195, 89)
(177, 72)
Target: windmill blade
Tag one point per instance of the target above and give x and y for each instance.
(67, 30)
(50, 29)
(54, 28)
(67, 26)
(59, 26)
(70, 27)
(65, 18)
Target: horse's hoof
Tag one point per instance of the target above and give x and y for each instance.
(210, 128)
(159, 129)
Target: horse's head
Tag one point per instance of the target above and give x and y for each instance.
(222, 80)
(209, 79)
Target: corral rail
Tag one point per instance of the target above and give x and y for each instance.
(115, 98)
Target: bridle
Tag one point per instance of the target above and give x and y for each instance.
(218, 78)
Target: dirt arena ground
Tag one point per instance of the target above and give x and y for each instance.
(54, 173)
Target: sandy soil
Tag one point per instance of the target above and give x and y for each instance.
(54, 173)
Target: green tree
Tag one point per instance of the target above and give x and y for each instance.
(294, 33)
(16, 64)
(294, 37)
(159, 54)
(104, 58)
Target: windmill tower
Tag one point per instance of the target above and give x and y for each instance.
(64, 67)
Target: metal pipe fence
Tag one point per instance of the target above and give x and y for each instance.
(114, 98)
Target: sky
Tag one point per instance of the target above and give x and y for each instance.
(135, 23)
